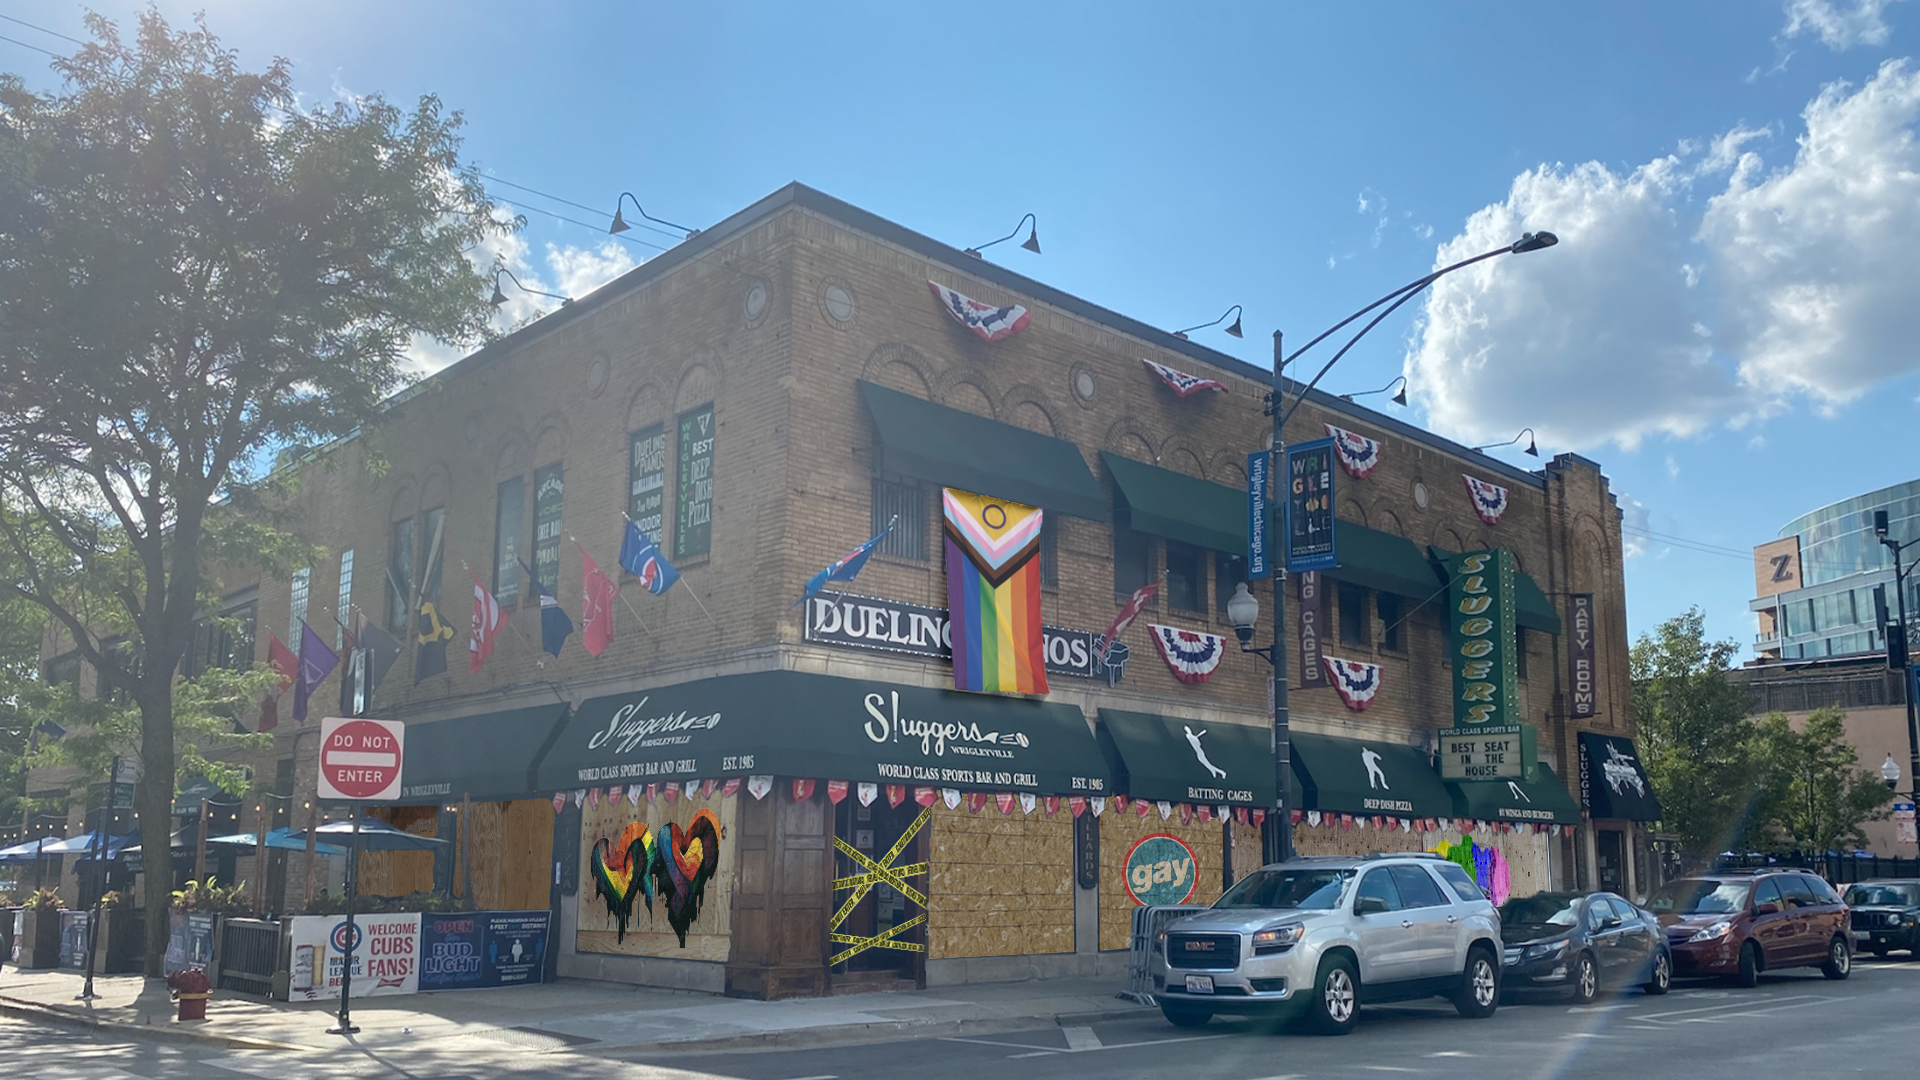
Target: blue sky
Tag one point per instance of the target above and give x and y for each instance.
(1728, 328)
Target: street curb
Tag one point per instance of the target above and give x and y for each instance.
(54, 1014)
(845, 1034)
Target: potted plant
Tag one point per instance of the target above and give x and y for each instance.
(40, 930)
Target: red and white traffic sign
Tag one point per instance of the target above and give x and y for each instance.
(360, 759)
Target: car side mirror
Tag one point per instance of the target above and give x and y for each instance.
(1611, 922)
(1766, 907)
(1370, 905)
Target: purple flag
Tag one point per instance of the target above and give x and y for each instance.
(316, 663)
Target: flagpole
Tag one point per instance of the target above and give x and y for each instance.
(635, 612)
(511, 625)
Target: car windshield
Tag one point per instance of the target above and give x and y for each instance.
(1892, 895)
(1696, 897)
(1551, 909)
(1304, 889)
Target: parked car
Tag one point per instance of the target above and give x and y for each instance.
(1583, 943)
(1886, 916)
(1313, 938)
(1740, 923)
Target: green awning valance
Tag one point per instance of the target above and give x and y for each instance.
(1382, 561)
(1533, 610)
(1159, 758)
(1543, 799)
(958, 449)
(1336, 777)
(488, 758)
(1167, 503)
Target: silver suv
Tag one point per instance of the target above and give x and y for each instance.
(1317, 936)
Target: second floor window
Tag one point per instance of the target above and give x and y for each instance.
(1186, 578)
(343, 603)
(1229, 571)
(400, 576)
(1132, 560)
(1387, 606)
(1355, 627)
(297, 604)
(903, 502)
(509, 526)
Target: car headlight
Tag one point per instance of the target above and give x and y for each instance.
(1540, 952)
(1717, 930)
(1895, 920)
(1278, 939)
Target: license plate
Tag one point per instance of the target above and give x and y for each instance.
(1861, 936)
(1199, 984)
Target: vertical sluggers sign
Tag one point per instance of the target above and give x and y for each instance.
(1485, 675)
(1582, 675)
(1309, 477)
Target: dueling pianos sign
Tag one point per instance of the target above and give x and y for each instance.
(862, 622)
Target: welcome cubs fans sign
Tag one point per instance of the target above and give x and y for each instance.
(360, 759)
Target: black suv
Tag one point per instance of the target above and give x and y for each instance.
(1886, 916)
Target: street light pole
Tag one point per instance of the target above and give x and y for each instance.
(1906, 667)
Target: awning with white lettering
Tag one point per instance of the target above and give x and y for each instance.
(790, 723)
(1170, 759)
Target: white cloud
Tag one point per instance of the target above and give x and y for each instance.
(1839, 27)
(1816, 261)
(1673, 466)
(1634, 523)
(1655, 317)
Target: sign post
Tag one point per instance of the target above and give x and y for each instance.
(360, 761)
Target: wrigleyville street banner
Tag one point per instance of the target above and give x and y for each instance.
(993, 593)
(1485, 674)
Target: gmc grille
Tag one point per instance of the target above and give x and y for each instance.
(1219, 952)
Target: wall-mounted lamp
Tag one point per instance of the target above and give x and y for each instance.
(1525, 433)
(499, 297)
(1032, 242)
(1232, 331)
(1399, 397)
(620, 222)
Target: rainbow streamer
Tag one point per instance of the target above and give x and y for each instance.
(993, 594)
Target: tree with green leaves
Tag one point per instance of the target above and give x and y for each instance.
(195, 273)
(1695, 739)
(1817, 794)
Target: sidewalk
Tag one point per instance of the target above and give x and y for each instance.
(589, 1017)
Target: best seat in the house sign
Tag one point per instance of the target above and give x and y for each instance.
(360, 760)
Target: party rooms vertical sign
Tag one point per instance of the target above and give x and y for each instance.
(1485, 677)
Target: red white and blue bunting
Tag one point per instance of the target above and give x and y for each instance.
(1356, 682)
(1183, 383)
(1191, 654)
(1358, 454)
(988, 323)
(1489, 500)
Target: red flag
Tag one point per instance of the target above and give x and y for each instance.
(1052, 803)
(1141, 808)
(1076, 805)
(706, 789)
(925, 796)
(1004, 800)
(732, 787)
(1120, 803)
(976, 801)
(559, 801)
(897, 794)
(488, 621)
(653, 792)
(1203, 812)
(1128, 612)
(287, 666)
(1259, 818)
(836, 791)
(802, 790)
(596, 605)
(672, 793)
(1186, 813)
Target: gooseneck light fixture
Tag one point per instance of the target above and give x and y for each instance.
(1399, 397)
(1232, 331)
(1525, 433)
(1031, 243)
(499, 297)
(620, 222)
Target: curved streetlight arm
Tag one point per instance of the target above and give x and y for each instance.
(1406, 294)
(1411, 286)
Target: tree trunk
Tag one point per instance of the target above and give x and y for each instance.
(155, 805)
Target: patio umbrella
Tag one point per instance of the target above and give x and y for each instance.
(87, 844)
(181, 839)
(278, 840)
(374, 836)
(28, 852)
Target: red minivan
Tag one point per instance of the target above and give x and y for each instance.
(1741, 923)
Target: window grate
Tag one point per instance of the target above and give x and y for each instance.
(907, 502)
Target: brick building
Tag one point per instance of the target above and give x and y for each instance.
(772, 392)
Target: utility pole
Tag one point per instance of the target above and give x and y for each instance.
(1280, 843)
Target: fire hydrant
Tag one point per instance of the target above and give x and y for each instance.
(191, 989)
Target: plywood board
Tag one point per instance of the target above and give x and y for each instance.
(1119, 832)
(999, 884)
(649, 932)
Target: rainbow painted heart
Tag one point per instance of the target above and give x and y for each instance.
(619, 872)
(683, 866)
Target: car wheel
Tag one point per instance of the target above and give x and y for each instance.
(1660, 977)
(1839, 959)
(1185, 1016)
(1749, 973)
(1586, 979)
(1479, 992)
(1334, 1008)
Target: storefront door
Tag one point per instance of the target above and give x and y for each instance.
(883, 934)
(1610, 852)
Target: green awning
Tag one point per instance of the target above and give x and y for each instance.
(1335, 777)
(958, 449)
(488, 758)
(1159, 758)
(1167, 503)
(1543, 799)
(1381, 561)
(1532, 608)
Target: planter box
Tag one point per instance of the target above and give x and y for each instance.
(39, 939)
(117, 950)
(7, 917)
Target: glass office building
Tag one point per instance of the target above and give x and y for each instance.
(1841, 566)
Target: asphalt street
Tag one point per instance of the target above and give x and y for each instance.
(1793, 1024)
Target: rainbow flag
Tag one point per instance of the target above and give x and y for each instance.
(993, 594)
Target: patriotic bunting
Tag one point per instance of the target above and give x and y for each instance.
(993, 594)
(1182, 383)
(1356, 682)
(987, 322)
(1191, 654)
(1357, 453)
(1489, 500)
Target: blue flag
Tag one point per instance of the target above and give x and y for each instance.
(847, 567)
(555, 626)
(641, 557)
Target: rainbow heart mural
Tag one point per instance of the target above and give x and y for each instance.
(683, 866)
(620, 872)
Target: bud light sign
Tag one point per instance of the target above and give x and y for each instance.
(482, 948)
(450, 951)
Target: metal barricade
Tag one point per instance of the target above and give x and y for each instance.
(249, 955)
(1147, 924)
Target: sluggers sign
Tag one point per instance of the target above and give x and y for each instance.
(1309, 479)
(1485, 680)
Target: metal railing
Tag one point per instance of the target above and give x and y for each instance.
(249, 955)
(1836, 868)
(1147, 924)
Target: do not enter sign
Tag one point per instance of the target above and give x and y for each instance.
(360, 759)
